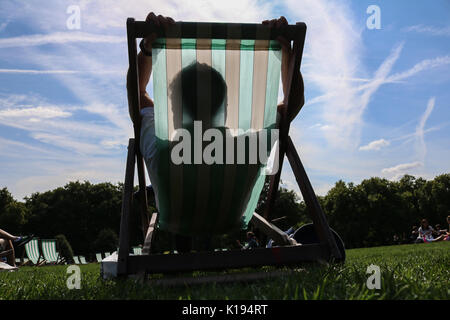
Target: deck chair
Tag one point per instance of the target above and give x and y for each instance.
(83, 260)
(76, 260)
(137, 251)
(99, 258)
(107, 254)
(195, 199)
(32, 252)
(49, 251)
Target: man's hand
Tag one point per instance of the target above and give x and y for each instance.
(297, 86)
(157, 21)
(145, 63)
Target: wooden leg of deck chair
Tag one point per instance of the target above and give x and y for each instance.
(320, 222)
(143, 192)
(271, 231)
(133, 101)
(149, 235)
(124, 240)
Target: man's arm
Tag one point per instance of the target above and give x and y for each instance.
(298, 98)
(144, 71)
(144, 64)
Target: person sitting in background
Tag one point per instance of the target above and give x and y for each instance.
(414, 234)
(7, 243)
(438, 230)
(252, 241)
(447, 234)
(425, 232)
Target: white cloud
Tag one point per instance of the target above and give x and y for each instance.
(421, 149)
(332, 29)
(69, 143)
(38, 72)
(3, 25)
(193, 10)
(59, 38)
(34, 113)
(420, 130)
(432, 30)
(29, 71)
(423, 65)
(399, 170)
(375, 145)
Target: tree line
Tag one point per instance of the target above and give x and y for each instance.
(367, 214)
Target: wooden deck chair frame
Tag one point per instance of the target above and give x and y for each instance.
(287, 252)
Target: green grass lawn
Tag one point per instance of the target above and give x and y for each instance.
(419, 271)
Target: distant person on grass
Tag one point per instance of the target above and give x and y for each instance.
(447, 233)
(7, 244)
(252, 241)
(414, 234)
(426, 233)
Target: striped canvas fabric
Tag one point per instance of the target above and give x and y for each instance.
(49, 250)
(212, 198)
(76, 260)
(83, 260)
(32, 251)
(137, 251)
(98, 256)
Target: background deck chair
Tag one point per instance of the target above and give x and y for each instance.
(83, 260)
(49, 251)
(32, 252)
(137, 250)
(249, 59)
(99, 258)
(107, 254)
(76, 260)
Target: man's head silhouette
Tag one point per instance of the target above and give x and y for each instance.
(202, 90)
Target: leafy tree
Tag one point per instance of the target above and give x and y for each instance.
(107, 240)
(64, 247)
(77, 210)
(367, 214)
(12, 213)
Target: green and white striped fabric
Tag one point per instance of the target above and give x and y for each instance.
(214, 198)
(107, 254)
(76, 260)
(83, 260)
(49, 250)
(137, 251)
(98, 256)
(32, 251)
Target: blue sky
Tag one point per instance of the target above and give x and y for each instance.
(377, 100)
